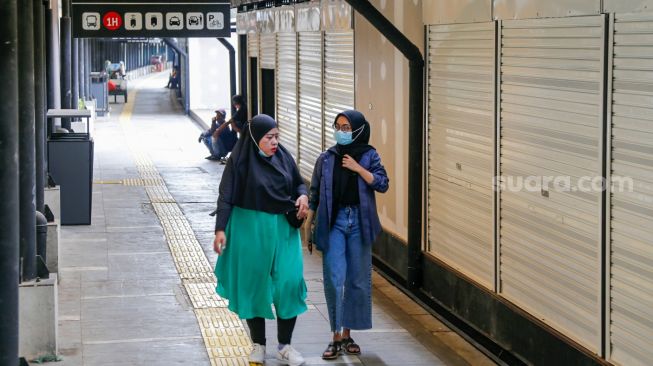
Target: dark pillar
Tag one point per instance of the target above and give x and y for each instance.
(9, 232)
(39, 100)
(74, 73)
(66, 49)
(26, 138)
(232, 69)
(82, 69)
(242, 62)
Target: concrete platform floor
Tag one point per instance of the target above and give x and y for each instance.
(121, 299)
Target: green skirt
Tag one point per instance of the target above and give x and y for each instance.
(261, 265)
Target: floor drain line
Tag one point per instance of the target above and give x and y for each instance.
(225, 338)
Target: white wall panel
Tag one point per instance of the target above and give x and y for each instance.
(461, 147)
(287, 91)
(268, 51)
(551, 126)
(338, 78)
(252, 44)
(631, 245)
(310, 101)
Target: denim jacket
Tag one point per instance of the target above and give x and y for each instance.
(321, 196)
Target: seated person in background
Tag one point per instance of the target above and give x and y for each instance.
(173, 81)
(219, 141)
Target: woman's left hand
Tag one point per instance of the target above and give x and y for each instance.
(302, 206)
(351, 164)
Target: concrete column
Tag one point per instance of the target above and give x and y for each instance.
(74, 72)
(9, 231)
(26, 139)
(66, 54)
(40, 99)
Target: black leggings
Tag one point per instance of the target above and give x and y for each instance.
(285, 328)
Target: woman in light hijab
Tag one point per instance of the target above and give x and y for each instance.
(345, 180)
(262, 203)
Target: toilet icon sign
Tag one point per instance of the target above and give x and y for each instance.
(214, 20)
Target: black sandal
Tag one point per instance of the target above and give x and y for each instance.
(350, 347)
(332, 351)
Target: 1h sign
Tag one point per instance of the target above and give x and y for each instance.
(112, 20)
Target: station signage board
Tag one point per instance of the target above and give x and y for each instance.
(150, 18)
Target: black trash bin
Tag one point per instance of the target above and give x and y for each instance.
(70, 163)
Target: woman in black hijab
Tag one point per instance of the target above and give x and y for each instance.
(345, 180)
(262, 202)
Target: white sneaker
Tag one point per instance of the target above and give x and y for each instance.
(290, 356)
(257, 357)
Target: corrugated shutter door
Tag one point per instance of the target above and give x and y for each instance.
(338, 78)
(551, 118)
(631, 293)
(461, 147)
(287, 90)
(252, 44)
(310, 101)
(268, 53)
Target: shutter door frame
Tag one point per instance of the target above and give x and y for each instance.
(461, 114)
(287, 96)
(311, 104)
(629, 231)
(338, 85)
(563, 64)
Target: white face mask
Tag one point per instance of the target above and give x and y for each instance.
(345, 138)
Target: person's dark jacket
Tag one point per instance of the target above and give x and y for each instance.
(321, 196)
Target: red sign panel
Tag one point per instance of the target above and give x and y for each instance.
(112, 20)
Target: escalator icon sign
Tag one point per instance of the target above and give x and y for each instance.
(153, 21)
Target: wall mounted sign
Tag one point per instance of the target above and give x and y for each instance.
(151, 18)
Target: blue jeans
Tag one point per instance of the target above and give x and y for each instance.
(215, 146)
(347, 266)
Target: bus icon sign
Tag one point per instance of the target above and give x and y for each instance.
(91, 21)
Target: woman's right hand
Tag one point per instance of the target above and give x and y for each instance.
(219, 242)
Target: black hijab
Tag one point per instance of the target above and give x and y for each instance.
(345, 182)
(261, 183)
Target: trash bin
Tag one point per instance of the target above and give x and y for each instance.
(99, 91)
(70, 164)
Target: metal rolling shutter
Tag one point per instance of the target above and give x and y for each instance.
(631, 262)
(310, 100)
(551, 118)
(287, 90)
(252, 44)
(461, 147)
(268, 47)
(338, 78)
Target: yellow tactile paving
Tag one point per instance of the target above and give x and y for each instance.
(226, 341)
(143, 182)
(203, 295)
